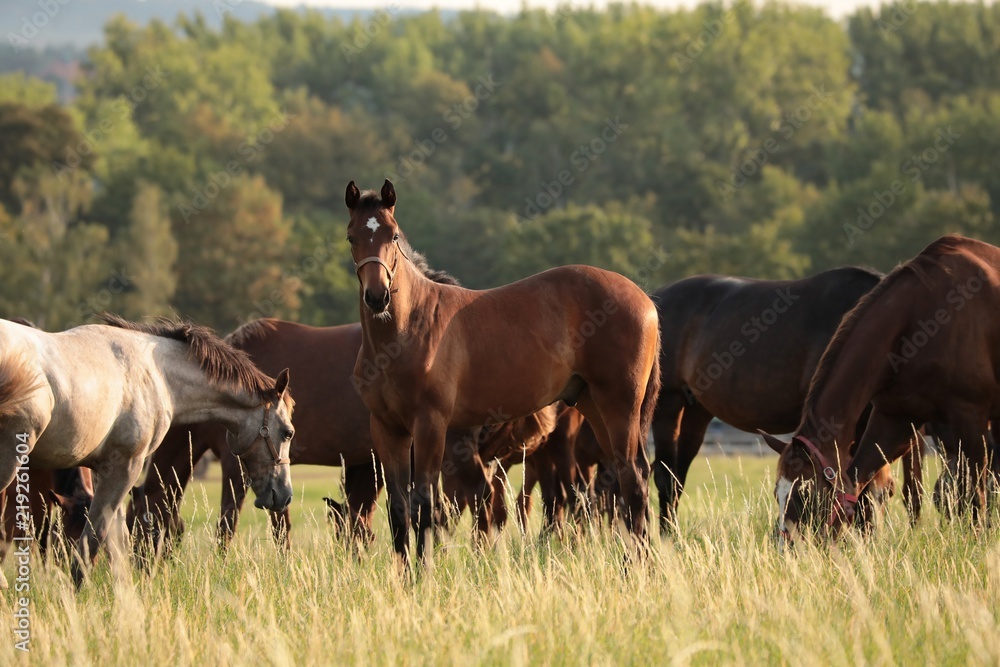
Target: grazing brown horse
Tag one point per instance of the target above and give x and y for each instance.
(923, 346)
(472, 458)
(580, 334)
(744, 351)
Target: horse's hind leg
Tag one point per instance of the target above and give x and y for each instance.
(616, 425)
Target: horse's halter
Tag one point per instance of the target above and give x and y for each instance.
(264, 433)
(842, 501)
(391, 271)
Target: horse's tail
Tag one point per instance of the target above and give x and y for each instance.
(652, 394)
(17, 382)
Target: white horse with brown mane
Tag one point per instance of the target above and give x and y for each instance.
(104, 396)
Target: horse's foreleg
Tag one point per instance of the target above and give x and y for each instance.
(913, 478)
(694, 424)
(428, 455)
(499, 504)
(392, 445)
(666, 432)
(524, 497)
(362, 485)
(113, 481)
(234, 492)
(885, 439)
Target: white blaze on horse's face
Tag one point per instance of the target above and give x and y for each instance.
(373, 225)
(782, 491)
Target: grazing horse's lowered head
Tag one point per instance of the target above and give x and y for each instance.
(259, 419)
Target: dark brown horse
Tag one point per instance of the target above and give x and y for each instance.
(71, 490)
(744, 351)
(923, 346)
(580, 334)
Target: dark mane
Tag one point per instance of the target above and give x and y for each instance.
(420, 261)
(917, 266)
(222, 363)
(253, 330)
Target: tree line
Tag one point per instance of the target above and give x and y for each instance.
(201, 171)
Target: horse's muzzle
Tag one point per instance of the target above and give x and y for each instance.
(273, 499)
(377, 303)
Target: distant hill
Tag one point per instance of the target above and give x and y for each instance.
(80, 23)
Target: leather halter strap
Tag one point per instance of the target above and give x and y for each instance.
(828, 470)
(375, 259)
(264, 433)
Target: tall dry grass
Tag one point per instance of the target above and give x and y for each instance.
(719, 592)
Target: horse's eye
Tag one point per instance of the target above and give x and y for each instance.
(350, 239)
(395, 237)
(289, 435)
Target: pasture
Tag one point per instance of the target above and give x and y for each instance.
(720, 592)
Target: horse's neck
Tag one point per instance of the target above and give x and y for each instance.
(196, 399)
(408, 306)
(860, 371)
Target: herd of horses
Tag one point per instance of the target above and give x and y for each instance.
(439, 390)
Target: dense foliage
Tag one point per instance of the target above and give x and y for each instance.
(202, 171)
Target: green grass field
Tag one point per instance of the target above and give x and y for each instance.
(720, 592)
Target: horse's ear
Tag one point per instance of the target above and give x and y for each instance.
(65, 503)
(353, 196)
(777, 444)
(388, 195)
(281, 384)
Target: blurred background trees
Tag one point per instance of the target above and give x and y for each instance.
(198, 167)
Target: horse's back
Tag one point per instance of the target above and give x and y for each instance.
(747, 347)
